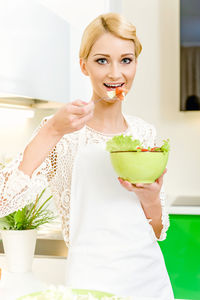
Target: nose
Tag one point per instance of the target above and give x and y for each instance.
(114, 71)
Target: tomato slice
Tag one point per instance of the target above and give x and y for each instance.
(118, 90)
(120, 97)
(121, 92)
(144, 150)
(154, 148)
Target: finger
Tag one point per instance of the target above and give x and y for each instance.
(140, 185)
(80, 122)
(83, 109)
(126, 184)
(165, 171)
(160, 179)
(79, 102)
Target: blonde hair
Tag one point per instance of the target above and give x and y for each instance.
(113, 23)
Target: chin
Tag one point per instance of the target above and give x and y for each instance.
(110, 101)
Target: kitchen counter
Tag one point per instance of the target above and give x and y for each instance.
(184, 205)
(46, 271)
(184, 210)
(51, 231)
(50, 242)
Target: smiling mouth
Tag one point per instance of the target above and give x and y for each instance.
(113, 85)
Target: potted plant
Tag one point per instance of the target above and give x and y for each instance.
(19, 232)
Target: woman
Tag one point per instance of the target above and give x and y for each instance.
(110, 226)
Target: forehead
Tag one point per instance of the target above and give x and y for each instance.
(108, 43)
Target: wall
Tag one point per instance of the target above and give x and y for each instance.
(15, 133)
(155, 93)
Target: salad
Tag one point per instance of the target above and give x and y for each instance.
(119, 92)
(126, 143)
(65, 293)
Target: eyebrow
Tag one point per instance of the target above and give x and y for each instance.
(107, 55)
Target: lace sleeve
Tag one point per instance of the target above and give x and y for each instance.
(165, 217)
(150, 140)
(18, 189)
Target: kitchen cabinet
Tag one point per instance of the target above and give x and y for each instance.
(39, 53)
(181, 251)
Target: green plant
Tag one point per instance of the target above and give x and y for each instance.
(30, 216)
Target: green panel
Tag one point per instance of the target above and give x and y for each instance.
(181, 251)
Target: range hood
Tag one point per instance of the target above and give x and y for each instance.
(7, 100)
(34, 55)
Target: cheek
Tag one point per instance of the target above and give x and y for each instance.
(97, 75)
(132, 73)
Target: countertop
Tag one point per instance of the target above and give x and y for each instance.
(184, 205)
(184, 210)
(49, 232)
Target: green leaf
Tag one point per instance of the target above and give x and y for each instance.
(122, 143)
(11, 220)
(19, 217)
(30, 216)
(165, 147)
(4, 224)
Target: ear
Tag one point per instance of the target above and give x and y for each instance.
(83, 67)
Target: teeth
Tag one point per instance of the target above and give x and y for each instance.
(113, 85)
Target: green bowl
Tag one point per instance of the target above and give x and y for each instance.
(139, 167)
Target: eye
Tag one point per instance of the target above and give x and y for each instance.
(126, 60)
(101, 61)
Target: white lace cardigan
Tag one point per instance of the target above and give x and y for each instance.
(18, 189)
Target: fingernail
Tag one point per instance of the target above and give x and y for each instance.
(119, 179)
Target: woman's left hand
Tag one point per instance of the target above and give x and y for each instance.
(149, 194)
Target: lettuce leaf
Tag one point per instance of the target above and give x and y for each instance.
(126, 143)
(122, 143)
(165, 147)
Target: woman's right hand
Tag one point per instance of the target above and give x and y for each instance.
(71, 117)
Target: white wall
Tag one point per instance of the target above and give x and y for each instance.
(155, 93)
(15, 133)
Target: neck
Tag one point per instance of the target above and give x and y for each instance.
(108, 118)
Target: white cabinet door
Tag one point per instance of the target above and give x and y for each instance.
(34, 52)
(40, 44)
(78, 14)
